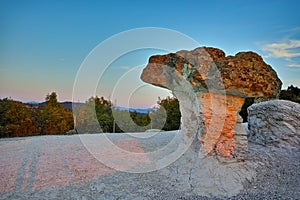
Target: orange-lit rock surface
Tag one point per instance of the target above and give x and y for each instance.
(220, 114)
(211, 88)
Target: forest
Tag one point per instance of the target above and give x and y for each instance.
(51, 117)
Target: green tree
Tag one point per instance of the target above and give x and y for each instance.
(140, 119)
(294, 90)
(104, 114)
(169, 108)
(131, 121)
(98, 115)
(96, 111)
(292, 94)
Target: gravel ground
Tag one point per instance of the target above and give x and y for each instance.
(60, 167)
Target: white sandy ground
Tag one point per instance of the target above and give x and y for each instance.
(60, 167)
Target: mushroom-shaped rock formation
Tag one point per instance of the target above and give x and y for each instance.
(211, 89)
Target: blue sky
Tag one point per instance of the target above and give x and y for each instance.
(43, 43)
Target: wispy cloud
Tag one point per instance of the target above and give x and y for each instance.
(287, 49)
(293, 65)
(292, 30)
(125, 67)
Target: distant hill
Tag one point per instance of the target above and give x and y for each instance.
(32, 103)
(138, 110)
(68, 106)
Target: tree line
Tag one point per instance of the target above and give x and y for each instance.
(99, 115)
(50, 118)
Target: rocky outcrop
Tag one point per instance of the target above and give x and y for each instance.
(275, 123)
(212, 88)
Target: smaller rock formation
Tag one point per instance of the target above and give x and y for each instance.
(275, 123)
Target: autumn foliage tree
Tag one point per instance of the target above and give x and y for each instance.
(54, 119)
(15, 119)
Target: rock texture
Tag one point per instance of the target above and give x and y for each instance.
(220, 119)
(211, 89)
(275, 123)
(208, 69)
